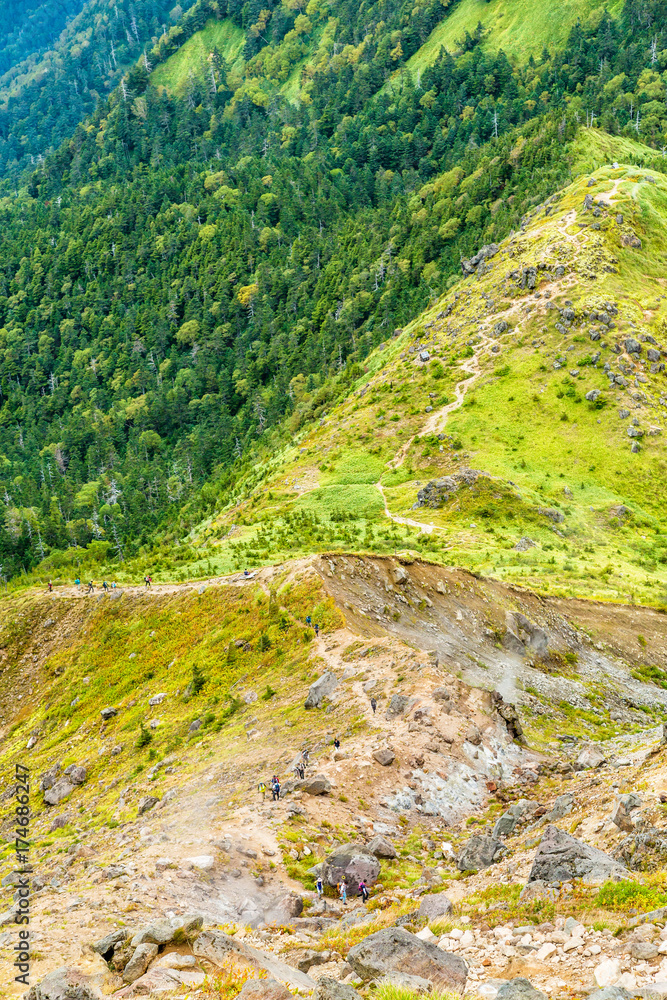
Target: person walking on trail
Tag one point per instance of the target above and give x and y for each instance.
(342, 890)
(50, 587)
(374, 705)
(105, 586)
(90, 587)
(319, 885)
(148, 581)
(275, 790)
(77, 583)
(262, 789)
(317, 629)
(337, 744)
(363, 891)
(309, 620)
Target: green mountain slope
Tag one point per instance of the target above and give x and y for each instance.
(544, 373)
(208, 250)
(521, 30)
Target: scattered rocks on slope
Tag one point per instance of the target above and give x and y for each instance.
(396, 950)
(438, 491)
(561, 857)
(469, 265)
(480, 852)
(351, 863)
(320, 689)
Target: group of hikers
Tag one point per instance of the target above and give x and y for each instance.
(341, 888)
(90, 586)
(275, 788)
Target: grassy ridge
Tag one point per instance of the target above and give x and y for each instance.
(192, 58)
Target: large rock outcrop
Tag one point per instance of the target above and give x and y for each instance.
(396, 950)
(63, 984)
(351, 863)
(561, 858)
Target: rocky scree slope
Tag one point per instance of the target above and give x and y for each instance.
(130, 834)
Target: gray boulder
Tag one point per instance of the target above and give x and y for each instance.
(381, 847)
(561, 807)
(58, 792)
(561, 858)
(589, 758)
(435, 905)
(519, 989)
(49, 778)
(264, 989)
(220, 949)
(643, 951)
(385, 756)
(403, 981)
(146, 804)
(310, 957)
(394, 949)
(470, 265)
(141, 959)
(479, 852)
(108, 713)
(319, 784)
(105, 946)
(505, 825)
(75, 774)
(64, 984)
(174, 931)
(398, 705)
(330, 989)
(538, 890)
(592, 395)
(288, 907)
(622, 815)
(351, 863)
(611, 993)
(320, 689)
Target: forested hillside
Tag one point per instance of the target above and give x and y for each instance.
(59, 60)
(205, 247)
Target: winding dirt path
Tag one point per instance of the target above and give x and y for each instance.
(435, 424)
